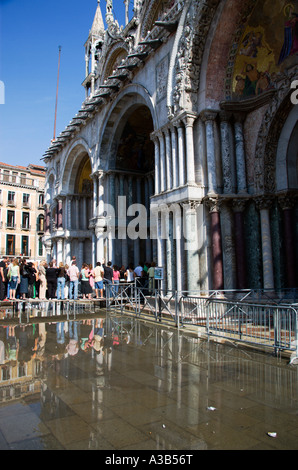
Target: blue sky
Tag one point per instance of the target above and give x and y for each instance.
(31, 32)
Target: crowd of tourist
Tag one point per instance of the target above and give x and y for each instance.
(22, 279)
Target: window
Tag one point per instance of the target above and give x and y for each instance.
(10, 245)
(10, 222)
(40, 223)
(25, 220)
(40, 247)
(41, 200)
(25, 246)
(23, 178)
(26, 199)
(11, 198)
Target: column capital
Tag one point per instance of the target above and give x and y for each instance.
(225, 116)
(208, 115)
(238, 205)
(189, 119)
(263, 202)
(286, 201)
(213, 203)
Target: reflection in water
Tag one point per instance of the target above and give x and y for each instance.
(119, 383)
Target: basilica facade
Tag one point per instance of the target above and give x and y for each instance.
(184, 151)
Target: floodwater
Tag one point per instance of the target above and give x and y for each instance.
(116, 383)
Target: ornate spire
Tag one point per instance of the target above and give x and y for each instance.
(98, 26)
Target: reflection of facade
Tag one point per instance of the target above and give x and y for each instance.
(22, 210)
(187, 110)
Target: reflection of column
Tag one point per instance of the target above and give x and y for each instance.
(216, 243)
(286, 203)
(209, 118)
(190, 156)
(226, 150)
(240, 154)
(263, 205)
(238, 208)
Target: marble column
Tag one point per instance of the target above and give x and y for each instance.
(216, 244)
(175, 163)
(181, 154)
(264, 204)
(100, 237)
(162, 162)
(169, 179)
(238, 209)
(60, 214)
(226, 152)
(209, 117)
(95, 195)
(240, 153)
(100, 205)
(287, 203)
(190, 156)
(47, 218)
(178, 229)
(156, 164)
(191, 245)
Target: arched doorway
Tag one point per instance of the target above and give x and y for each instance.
(131, 183)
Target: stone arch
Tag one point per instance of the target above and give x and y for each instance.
(286, 154)
(128, 100)
(114, 58)
(76, 155)
(269, 136)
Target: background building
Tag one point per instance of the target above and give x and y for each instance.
(22, 210)
(189, 111)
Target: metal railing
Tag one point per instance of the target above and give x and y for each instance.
(265, 323)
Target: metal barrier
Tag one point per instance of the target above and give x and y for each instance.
(263, 324)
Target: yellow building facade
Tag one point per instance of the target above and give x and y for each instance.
(22, 211)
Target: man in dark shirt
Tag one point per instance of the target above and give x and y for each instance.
(3, 280)
(108, 277)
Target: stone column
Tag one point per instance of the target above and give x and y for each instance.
(238, 208)
(209, 117)
(69, 219)
(287, 203)
(100, 205)
(60, 214)
(191, 245)
(240, 153)
(264, 204)
(190, 156)
(100, 237)
(47, 218)
(216, 244)
(95, 195)
(181, 154)
(175, 163)
(226, 152)
(169, 182)
(178, 239)
(162, 162)
(156, 164)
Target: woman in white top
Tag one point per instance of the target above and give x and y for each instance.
(15, 278)
(129, 275)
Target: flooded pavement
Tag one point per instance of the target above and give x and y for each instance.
(116, 383)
